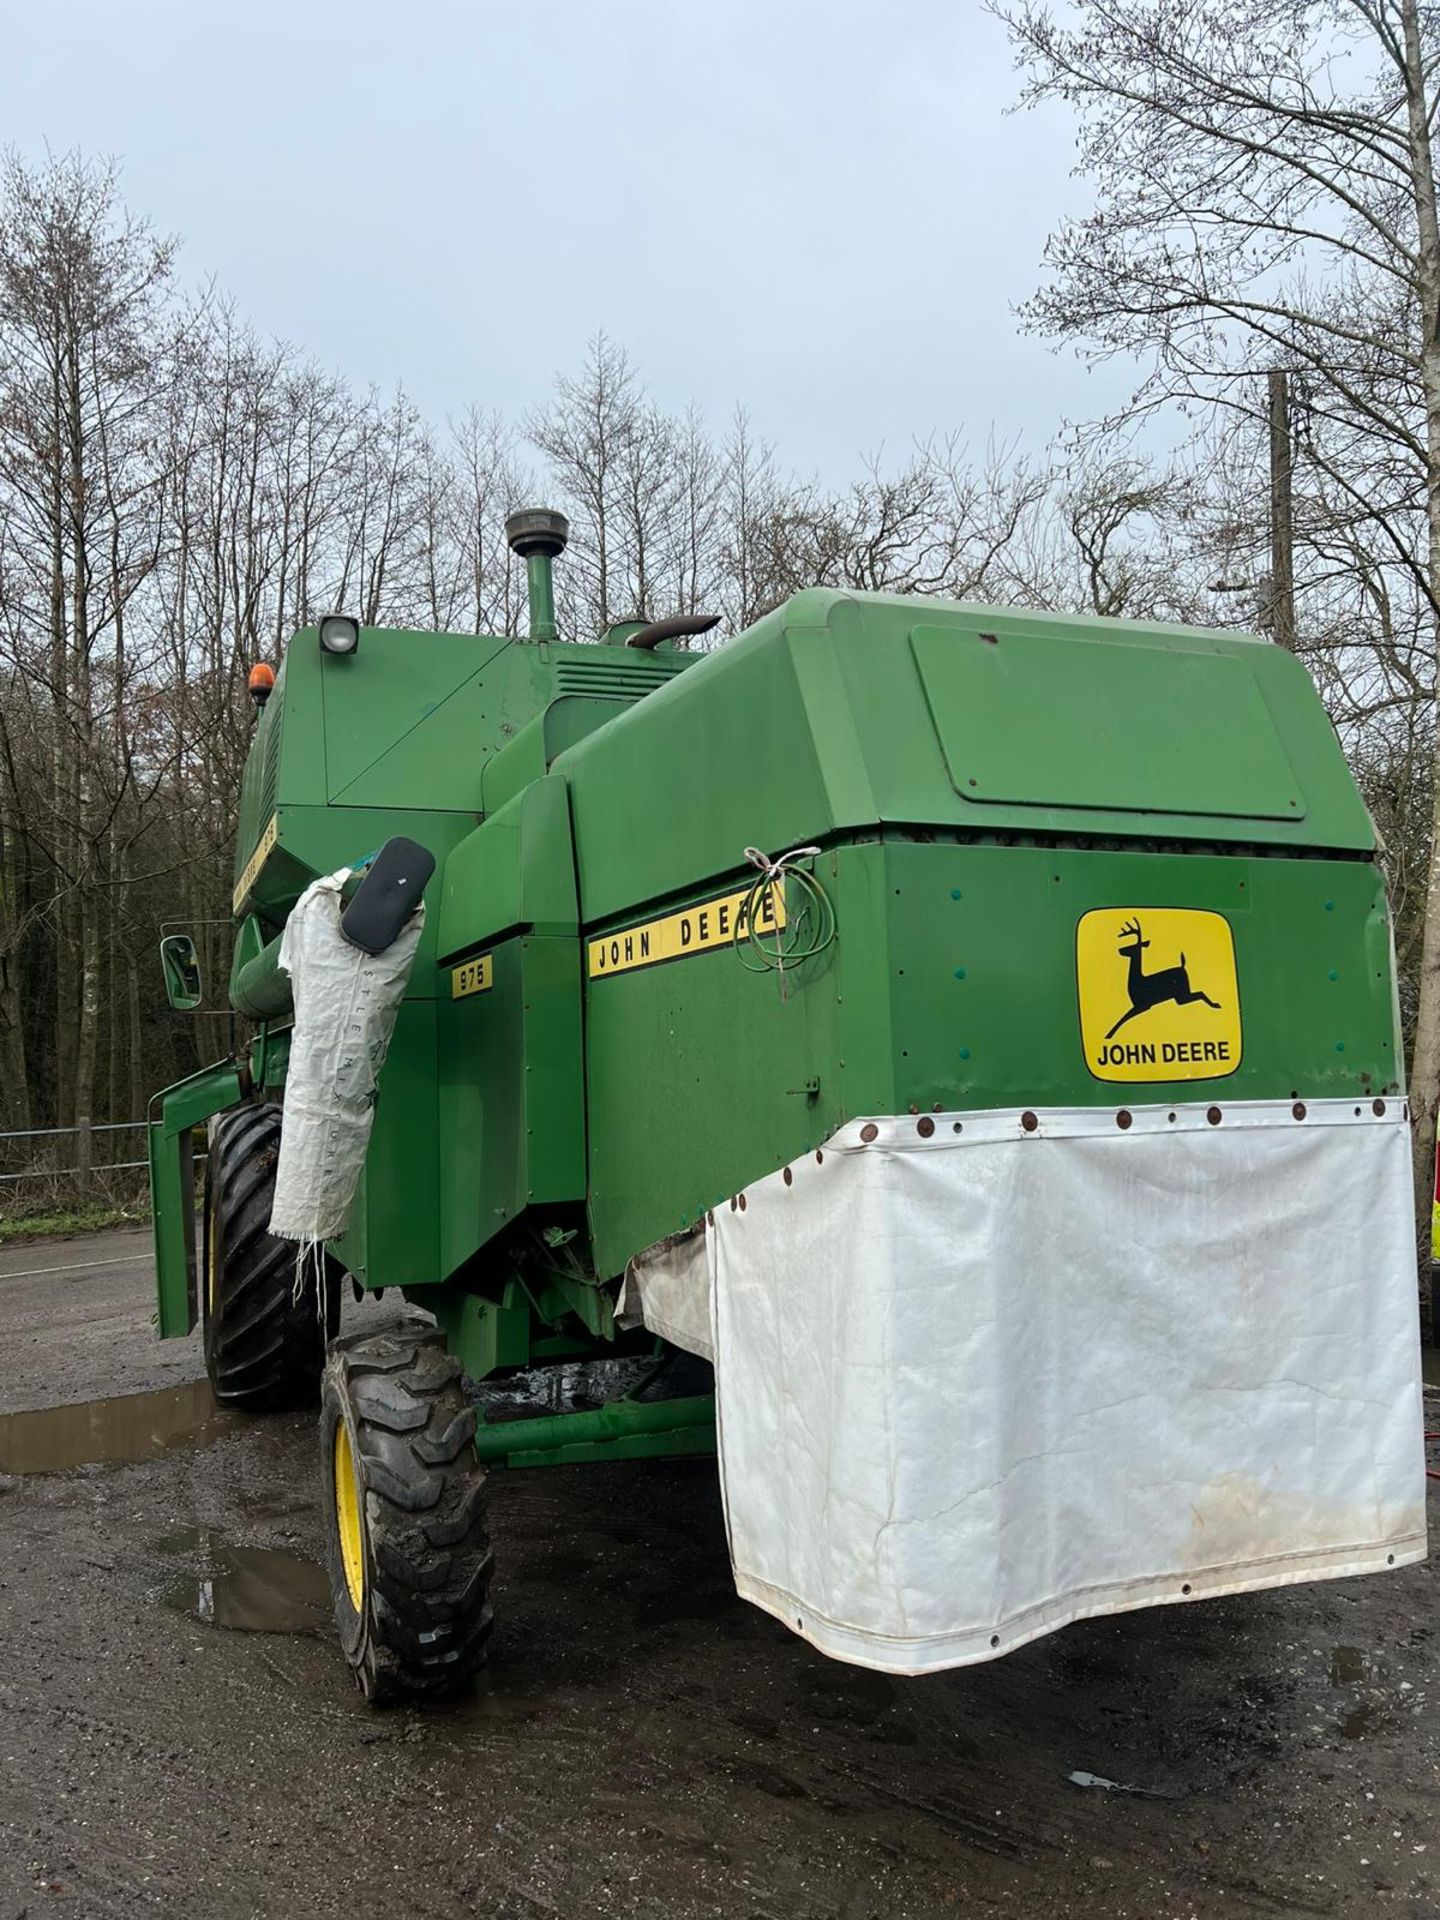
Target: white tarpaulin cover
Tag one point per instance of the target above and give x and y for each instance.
(668, 1291)
(345, 1007)
(975, 1381)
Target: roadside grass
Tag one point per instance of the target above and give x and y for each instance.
(55, 1222)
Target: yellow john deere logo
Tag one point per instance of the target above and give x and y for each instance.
(1159, 999)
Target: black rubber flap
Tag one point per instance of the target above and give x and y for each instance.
(388, 895)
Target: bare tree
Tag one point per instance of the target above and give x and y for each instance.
(178, 495)
(80, 283)
(587, 438)
(489, 485)
(1265, 195)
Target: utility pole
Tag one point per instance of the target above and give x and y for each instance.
(1282, 513)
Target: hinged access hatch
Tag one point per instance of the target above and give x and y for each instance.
(1032, 719)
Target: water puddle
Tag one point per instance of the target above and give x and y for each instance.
(498, 1696)
(1362, 1719)
(1353, 1667)
(1350, 1667)
(117, 1432)
(246, 1589)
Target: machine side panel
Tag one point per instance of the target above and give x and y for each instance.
(481, 1069)
(516, 870)
(511, 1092)
(826, 718)
(955, 983)
(554, 1113)
(700, 1076)
(987, 963)
(511, 1065)
(410, 717)
(669, 794)
(394, 1236)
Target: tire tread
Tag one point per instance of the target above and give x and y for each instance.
(264, 1345)
(427, 1619)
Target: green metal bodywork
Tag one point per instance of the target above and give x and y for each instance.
(170, 1139)
(976, 780)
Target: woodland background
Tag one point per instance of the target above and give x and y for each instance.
(178, 494)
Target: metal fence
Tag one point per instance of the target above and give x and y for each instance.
(43, 1163)
(40, 1168)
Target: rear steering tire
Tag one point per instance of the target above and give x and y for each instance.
(264, 1342)
(406, 1537)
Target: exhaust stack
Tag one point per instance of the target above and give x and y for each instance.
(537, 535)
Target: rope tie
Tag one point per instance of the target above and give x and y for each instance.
(808, 925)
(775, 869)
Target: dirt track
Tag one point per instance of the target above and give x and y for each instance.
(646, 1744)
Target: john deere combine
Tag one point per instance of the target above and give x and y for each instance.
(972, 1031)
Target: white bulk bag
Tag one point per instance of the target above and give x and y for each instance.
(345, 1007)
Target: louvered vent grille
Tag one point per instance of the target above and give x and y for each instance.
(270, 769)
(630, 680)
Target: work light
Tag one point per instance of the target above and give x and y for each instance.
(339, 634)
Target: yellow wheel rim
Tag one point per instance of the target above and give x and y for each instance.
(212, 1261)
(347, 1517)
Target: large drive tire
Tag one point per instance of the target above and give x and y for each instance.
(404, 1496)
(264, 1344)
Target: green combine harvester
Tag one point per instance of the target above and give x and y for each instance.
(973, 1032)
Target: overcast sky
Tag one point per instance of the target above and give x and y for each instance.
(821, 208)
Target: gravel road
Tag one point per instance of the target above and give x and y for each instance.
(645, 1744)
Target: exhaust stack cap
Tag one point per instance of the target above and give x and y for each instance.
(533, 531)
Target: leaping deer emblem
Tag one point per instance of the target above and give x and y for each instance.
(1153, 989)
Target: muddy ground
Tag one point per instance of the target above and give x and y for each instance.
(646, 1744)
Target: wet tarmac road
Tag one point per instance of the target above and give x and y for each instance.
(178, 1736)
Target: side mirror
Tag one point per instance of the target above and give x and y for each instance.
(182, 972)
